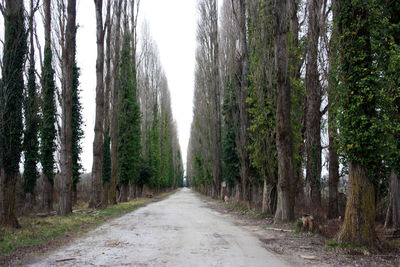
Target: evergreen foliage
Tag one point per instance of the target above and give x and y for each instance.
(11, 91)
(77, 131)
(31, 142)
(230, 159)
(106, 160)
(155, 150)
(47, 127)
(129, 145)
(360, 123)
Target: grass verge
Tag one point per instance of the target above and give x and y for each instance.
(39, 232)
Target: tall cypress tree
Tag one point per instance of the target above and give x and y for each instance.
(128, 121)
(31, 143)
(11, 95)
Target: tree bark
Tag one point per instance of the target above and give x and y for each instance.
(313, 114)
(95, 201)
(114, 112)
(65, 199)
(47, 194)
(393, 212)
(359, 221)
(285, 204)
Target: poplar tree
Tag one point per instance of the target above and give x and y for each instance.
(47, 126)
(128, 121)
(358, 117)
(77, 132)
(31, 142)
(11, 95)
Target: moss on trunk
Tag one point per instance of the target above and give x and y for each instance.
(359, 222)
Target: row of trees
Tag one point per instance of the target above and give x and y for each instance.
(135, 141)
(279, 82)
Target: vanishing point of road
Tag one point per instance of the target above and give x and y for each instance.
(177, 231)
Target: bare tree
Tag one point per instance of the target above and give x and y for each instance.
(95, 200)
(65, 200)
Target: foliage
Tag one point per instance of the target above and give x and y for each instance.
(155, 150)
(230, 159)
(262, 95)
(359, 121)
(129, 119)
(47, 127)
(106, 160)
(77, 123)
(11, 91)
(31, 142)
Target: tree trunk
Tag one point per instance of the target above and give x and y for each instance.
(8, 212)
(359, 221)
(74, 194)
(95, 201)
(106, 190)
(313, 114)
(285, 204)
(114, 114)
(106, 184)
(47, 195)
(333, 180)
(393, 212)
(217, 164)
(242, 133)
(65, 199)
(124, 192)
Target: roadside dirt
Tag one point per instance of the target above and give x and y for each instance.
(182, 230)
(295, 247)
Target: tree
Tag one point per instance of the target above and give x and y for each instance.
(128, 121)
(11, 95)
(285, 204)
(333, 179)
(313, 113)
(106, 159)
(31, 142)
(47, 127)
(95, 200)
(262, 101)
(242, 123)
(65, 200)
(114, 113)
(358, 118)
(391, 64)
(77, 133)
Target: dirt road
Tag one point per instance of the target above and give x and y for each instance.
(178, 231)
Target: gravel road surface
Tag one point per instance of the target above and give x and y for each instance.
(178, 231)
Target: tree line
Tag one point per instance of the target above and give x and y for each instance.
(41, 122)
(279, 84)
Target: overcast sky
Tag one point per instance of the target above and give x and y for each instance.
(172, 25)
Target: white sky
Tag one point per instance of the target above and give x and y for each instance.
(172, 25)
